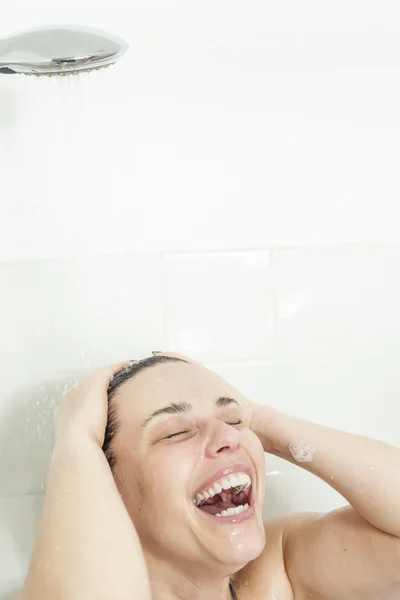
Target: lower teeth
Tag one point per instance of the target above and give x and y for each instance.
(230, 512)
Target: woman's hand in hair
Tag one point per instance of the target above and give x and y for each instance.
(82, 414)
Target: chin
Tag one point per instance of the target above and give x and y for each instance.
(235, 544)
(232, 560)
(242, 549)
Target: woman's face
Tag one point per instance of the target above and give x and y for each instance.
(182, 439)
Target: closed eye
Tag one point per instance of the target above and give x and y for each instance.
(185, 431)
(172, 435)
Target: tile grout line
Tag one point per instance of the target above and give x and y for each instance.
(363, 245)
(274, 305)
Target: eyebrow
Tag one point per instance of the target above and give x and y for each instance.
(182, 407)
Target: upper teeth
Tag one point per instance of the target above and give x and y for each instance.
(241, 481)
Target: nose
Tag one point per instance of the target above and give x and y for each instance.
(223, 439)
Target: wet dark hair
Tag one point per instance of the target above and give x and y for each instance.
(115, 384)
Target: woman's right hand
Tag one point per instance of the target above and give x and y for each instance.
(83, 410)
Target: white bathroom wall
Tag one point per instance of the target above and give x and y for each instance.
(228, 190)
(240, 124)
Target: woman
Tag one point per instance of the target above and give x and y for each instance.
(156, 486)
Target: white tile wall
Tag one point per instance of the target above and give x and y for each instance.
(26, 422)
(59, 319)
(219, 306)
(76, 313)
(338, 302)
(243, 146)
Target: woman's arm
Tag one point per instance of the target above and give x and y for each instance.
(364, 471)
(349, 553)
(86, 547)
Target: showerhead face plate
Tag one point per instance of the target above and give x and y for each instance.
(60, 51)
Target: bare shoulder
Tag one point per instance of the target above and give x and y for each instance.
(330, 556)
(266, 577)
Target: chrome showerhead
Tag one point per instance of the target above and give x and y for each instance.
(59, 51)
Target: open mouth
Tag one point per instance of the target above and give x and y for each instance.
(227, 497)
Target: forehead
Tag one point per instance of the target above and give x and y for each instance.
(160, 385)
